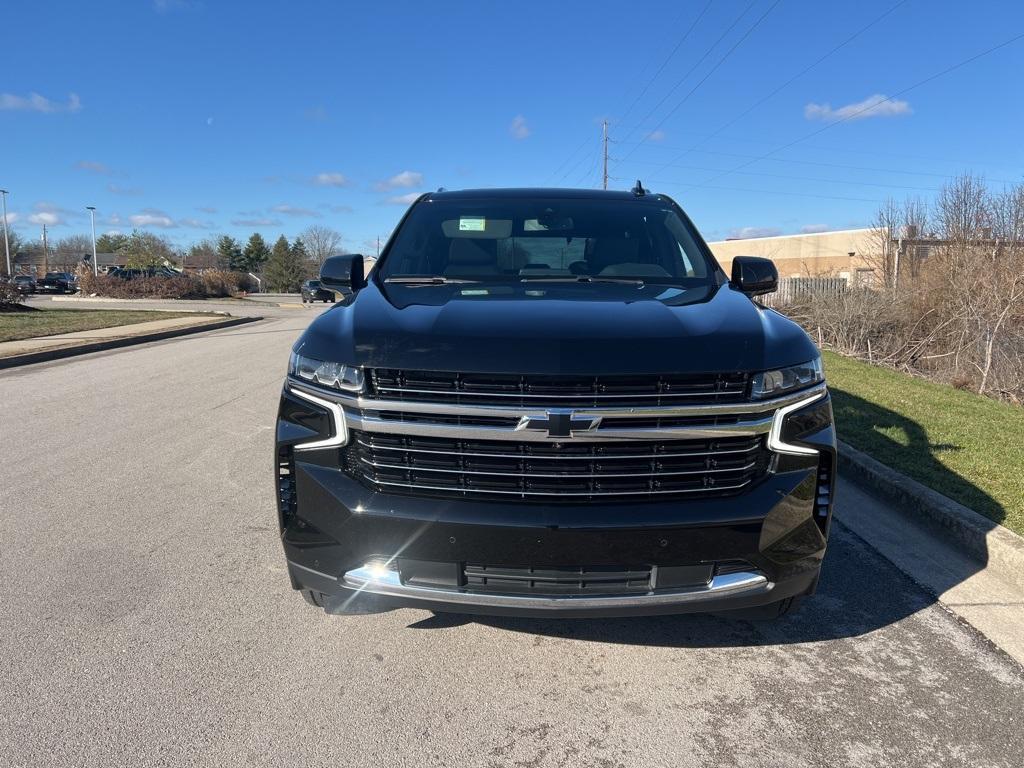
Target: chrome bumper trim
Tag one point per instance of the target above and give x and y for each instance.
(388, 584)
(748, 407)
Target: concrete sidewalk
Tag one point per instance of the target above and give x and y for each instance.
(78, 338)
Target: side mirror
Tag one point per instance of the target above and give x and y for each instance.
(343, 274)
(754, 275)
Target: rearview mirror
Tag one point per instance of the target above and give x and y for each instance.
(343, 274)
(755, 276)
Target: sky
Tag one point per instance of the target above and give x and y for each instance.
(199, 118)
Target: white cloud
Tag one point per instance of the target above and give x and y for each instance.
(114, 220)
(407, 199)
(48, 218)
(745, 233)
(196, 223)
(877, 105)
(291, 210)
(658, 135)
(206, 209)
(12, 216)
(518, 128)
(151, 217)
(330, 179)
(403, 180)
(338, 208)
(36, 103)
(813, 229)
(93, 166)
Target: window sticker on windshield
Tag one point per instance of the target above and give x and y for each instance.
(472, 225)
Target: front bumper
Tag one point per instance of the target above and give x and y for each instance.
(336, 533)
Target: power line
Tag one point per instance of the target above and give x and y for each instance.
(649, 82)
(816, 163)
(791, 177)
(710, 72)
(667, 59)
(690, 71)
(795, 77)
(873, 105)
(761, 191)
(567, 159)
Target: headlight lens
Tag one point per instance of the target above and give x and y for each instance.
(326, 374)
(783, 380)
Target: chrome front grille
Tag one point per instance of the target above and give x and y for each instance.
(418, 434)
(555, 472)
(538, 391)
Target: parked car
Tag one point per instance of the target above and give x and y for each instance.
(554, 403)
(25, 283)
(313, 291)
(58, 282)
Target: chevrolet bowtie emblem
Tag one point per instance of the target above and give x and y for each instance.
(559, 424)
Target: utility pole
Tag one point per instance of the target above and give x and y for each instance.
(378, 246)
(7, 242)
(604, 141)
(92, 219)
(46, 254)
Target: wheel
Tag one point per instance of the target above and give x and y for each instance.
(303, 299)
(332, 300)
(314, 598)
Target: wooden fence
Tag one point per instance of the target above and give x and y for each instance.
(792, 288)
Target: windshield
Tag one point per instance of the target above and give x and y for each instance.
(546, 239)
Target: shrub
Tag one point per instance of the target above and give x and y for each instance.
(9, 295)
(208, 284)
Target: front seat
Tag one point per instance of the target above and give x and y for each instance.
(475, 256)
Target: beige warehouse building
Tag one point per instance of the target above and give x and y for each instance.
(844, 253)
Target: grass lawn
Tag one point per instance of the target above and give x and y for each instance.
(47, 322)
(963, 445)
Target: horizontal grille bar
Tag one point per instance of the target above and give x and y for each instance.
(532, 390)
(634, 452)
(555, 471)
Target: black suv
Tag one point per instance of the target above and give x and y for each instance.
(312, 291)
(553, 402)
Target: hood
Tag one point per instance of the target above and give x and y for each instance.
(553, 328)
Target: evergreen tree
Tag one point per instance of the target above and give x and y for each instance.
(284, 271)
(303, 258)
(255, 254)
(230, 253)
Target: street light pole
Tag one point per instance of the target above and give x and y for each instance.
(7, 242)
(92, 218)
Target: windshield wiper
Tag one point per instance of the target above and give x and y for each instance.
(581, 279)
(427, 280)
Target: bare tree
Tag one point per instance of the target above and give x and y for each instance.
(321, 242)
(960, 319)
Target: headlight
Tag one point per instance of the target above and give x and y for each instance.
(326, 374)
(783, 380)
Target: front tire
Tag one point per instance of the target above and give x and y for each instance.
(314, 598)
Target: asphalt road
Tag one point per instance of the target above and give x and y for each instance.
(146, 619)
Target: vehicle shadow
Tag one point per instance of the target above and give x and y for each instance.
(860, 590)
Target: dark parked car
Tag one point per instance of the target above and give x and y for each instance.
(25, 283)
(58, 282)
(313, 291)
(554, 402)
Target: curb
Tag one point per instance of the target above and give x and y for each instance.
(999, 548)
(46, 355)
